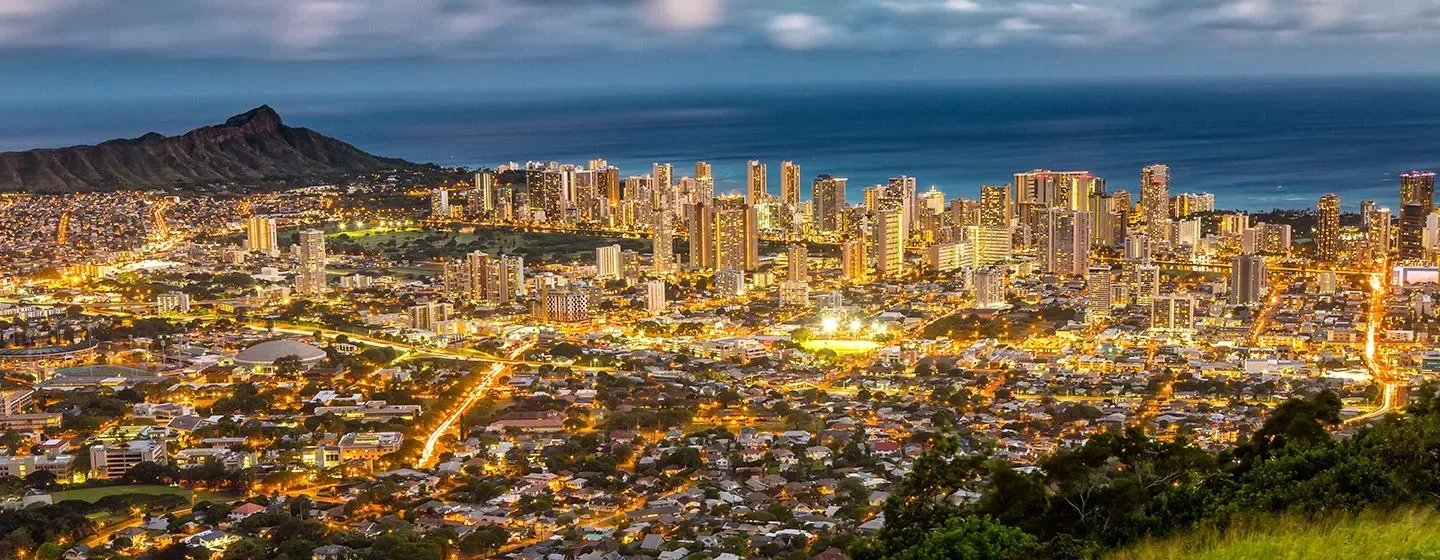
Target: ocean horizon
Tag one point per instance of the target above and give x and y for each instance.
(1256, 145)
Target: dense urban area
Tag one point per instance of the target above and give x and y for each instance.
(554, 361)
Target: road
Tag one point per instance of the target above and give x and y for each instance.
(1378, 369)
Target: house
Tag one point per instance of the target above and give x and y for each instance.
(246, 510)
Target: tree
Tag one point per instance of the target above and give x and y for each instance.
(972, 538)
(288, 366)
(484, 540)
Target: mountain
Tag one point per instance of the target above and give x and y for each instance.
(250, 147)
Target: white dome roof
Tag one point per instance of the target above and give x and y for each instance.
(266, 353)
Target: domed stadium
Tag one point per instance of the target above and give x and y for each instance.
(265, 353)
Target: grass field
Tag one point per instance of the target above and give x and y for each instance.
(93, 494)
(841, 347)
(1401, 535)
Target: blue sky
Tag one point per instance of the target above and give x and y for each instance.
(147, 48)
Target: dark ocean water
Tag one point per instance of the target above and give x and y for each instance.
(1255, 145)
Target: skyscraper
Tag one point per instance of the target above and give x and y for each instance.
(736, 230)
(664, 174)
(260, 235)
(654, 297)
(797, 263)
(902, 189)
(1099, 295)
(702, 170)
(1155, 200)
(757, 181)
(663, 244)
(1413, 216)
(1172, 313)
(607, 262)
(828, 197)
(994, 206)
(440, 203)
(1247, 279)
(1378, 234)
(1418, 187)
(853, 265)
(310, 273)
(1327, 228)
(789, 183)
(1063, 241)
(482, 199)
(989, 288)
(889, 244)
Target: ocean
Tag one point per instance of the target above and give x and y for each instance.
(1256, 144)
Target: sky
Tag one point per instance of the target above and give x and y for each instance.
(83, 49)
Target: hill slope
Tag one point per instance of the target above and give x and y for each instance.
(1403, 534)
(253, 146)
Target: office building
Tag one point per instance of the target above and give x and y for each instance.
(113, 460)
(1247, 280)
(1327, 229)
(310, 273)
(260, 236)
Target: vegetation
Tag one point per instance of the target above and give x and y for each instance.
(1125, 486)
(1401, 534)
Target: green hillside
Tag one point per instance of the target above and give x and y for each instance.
(1410, 534)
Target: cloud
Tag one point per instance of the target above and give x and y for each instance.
(798, 31)
(685, 15)
(448, 29)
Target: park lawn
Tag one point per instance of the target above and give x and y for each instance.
(93, 494)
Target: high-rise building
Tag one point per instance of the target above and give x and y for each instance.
(1234, 224)
(993, 244)
(1327, 228)
(790, 183)
(994, 206)
(607, 263)
(702, 170)
(797, 261)
(173, 303)
(1137, 248)
(1144, 282)
(655, 297)
(1099, 294)
(1172, 313)
(1063, 241)
(853, 261)
(427, 316)
(902, 189)
(701, 225)
(562, 305)
(663, 244)
(310, 273)
(890, 243)
(1155, 200)
(730, 282)
(757, 181)
(1418, 187)
(828, 198)
(549, 191)
(1378, 235)
(1185, 205)
(260, 235)
(482, 199)
(1367, 208)
(989, 288)
(736, 234)
(1413, 217)
(440, 203)
(664, 174)
(1247, 280)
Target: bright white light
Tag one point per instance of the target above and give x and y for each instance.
(854, 325)
(829, 324)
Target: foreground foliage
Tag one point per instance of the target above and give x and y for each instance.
(1122, 487)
